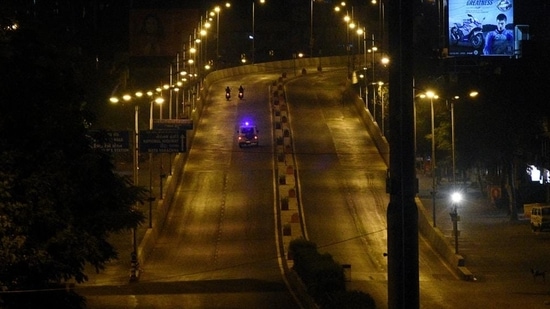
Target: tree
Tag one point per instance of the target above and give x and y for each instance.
(60, 199)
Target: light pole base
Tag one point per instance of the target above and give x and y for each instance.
(134, 270)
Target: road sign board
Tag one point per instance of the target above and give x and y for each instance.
(162, 141)
(110, 141)
(173, 124)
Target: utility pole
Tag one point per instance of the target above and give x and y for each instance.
(402, 213)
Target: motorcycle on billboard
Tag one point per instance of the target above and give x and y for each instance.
(469, 33)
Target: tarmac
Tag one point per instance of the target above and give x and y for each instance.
(483, 228)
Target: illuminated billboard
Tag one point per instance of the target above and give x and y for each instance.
(481, 28)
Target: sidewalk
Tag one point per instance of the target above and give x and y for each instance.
(481, 226)
(118, 272)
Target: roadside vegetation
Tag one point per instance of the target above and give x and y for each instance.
(60, 199)
(324, 278)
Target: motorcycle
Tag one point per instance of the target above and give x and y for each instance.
(469, 33)
(241, 94)
(227, 95)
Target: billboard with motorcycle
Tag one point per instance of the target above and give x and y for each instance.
(481, 28)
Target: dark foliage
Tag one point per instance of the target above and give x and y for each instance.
(351, 300)
(59, 198)
(324, 278)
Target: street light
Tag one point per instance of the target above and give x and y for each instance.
(204, 32)
(381, 13)
(253, 30)
(159, 100)
(134, 261)
(351, 26)
(364, 32)
(431, 95)
(218, 10)
(456, 198)
(373, 50)
(347, 19)
(380, 84)
(311, 28)
(296, 55)
(472, 94)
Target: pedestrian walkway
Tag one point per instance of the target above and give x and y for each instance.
(159, 178)
(481, 225)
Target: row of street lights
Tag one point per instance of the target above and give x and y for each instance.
(377, 86)
(134, 273)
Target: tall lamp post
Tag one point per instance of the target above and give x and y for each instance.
(158, 100)
(431, 95)
(453, 137)
(253, 29)
(134, 262)
(311, 28)
(363, 32)
(381, 13)
(472, 94)
(218, 10)
(373, 50)
(456, 198)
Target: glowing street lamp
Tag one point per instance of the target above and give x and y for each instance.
(456, 198)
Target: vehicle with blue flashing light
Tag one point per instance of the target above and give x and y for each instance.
(247, 135)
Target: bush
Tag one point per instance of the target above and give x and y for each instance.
(324, 278)
(350, 300)
(319, 272)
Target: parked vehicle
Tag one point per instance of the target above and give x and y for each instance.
(540, 218)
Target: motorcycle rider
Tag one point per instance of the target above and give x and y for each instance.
(501, 40)
(241, 89)
(227, 90)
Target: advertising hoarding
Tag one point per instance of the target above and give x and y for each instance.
(481, 28)
(161, 32)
